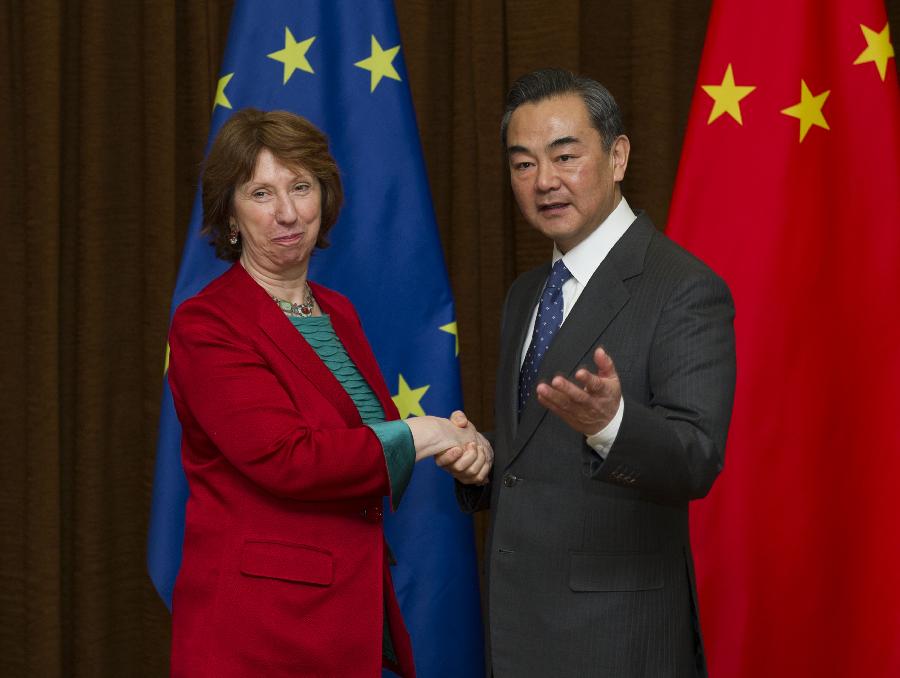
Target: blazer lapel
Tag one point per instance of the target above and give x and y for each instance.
(349, 331)
(597, 306)
(259, 310)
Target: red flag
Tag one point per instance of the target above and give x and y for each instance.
(789, 187)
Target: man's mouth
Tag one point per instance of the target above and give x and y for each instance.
(552, 207)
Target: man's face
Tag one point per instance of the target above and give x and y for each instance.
(564, 182)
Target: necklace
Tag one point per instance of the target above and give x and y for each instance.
(302, 310)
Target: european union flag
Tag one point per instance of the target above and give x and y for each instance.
(340, 65)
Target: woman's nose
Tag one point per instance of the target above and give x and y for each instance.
(285, 212)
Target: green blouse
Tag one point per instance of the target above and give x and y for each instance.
(395, 436)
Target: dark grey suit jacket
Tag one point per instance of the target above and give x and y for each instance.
(588, 562)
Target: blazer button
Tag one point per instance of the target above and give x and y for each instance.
(509, 480)
(373, 514)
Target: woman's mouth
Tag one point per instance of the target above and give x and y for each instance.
(290, 239)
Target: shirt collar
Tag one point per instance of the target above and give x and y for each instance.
(583, 259)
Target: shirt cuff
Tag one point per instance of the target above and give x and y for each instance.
(399, 455)
(602, 441)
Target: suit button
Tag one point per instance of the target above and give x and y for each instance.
(509, 480)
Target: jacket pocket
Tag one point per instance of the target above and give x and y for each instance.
(286, 561)
(615, 571)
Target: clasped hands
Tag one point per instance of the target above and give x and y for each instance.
(456, 445)
(586, 406)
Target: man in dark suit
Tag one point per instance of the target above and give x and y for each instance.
(614, 393)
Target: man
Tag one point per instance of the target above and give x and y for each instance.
(614, 392)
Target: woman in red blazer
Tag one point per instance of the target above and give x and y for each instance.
(290, 437)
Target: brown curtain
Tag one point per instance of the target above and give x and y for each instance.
(104, 111)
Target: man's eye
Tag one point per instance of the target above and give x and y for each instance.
(566, 157)
(522, 165)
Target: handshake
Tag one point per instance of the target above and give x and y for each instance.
(456, 445)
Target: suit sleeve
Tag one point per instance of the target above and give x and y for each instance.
(472, 498)
(226, 392)
(672, 447)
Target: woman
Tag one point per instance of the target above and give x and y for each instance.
(290, 437)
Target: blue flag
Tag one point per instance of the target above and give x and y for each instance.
(340, 65)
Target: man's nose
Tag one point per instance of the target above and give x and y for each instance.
(547, 177)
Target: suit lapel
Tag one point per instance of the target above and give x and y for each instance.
(259, 309)
(599, 303)
(517, 317)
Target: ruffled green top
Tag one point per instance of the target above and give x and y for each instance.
(395, 436)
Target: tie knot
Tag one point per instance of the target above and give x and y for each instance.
(558, 275)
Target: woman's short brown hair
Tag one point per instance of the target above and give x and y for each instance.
(293, 140)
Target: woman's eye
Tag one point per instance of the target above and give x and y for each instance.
(259, 194)
(301, 187)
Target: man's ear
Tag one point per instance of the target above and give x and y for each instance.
(619, 151)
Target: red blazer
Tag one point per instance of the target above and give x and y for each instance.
(284, 570)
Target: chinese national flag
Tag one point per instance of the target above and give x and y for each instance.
(789, 187)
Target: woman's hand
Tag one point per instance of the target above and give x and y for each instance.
(433, 435)
(471, 464)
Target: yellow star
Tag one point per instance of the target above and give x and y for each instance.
(166, 366)
(379, 64)
(450, 328)
(809, 110)
(221, 99)
(407, 399)
(879, 49)
(727, 97)
(293, 55)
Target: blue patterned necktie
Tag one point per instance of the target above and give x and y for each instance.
(548, 321)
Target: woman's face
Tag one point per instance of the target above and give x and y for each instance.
(278, 213)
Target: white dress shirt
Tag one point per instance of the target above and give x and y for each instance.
(582, 260)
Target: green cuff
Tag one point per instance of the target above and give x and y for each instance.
(399, 455)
